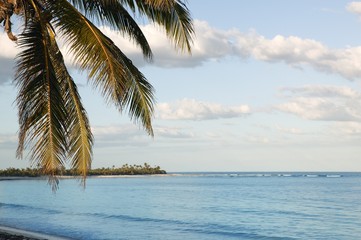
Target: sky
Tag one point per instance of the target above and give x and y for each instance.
(270, 86)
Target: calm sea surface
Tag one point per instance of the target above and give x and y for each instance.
(190, 206)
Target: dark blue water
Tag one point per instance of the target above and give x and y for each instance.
(191, 206)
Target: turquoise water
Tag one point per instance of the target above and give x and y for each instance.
(190, 206)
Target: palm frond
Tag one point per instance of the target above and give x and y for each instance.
(112, 12)
(139, 97)
(161, 4)
(79, 136)
(42, 113)
(174, 16)
(156, 4)
(109, 69)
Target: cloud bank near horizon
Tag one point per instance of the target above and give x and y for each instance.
(322, 102)
(191, 109)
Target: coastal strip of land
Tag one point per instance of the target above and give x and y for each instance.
(126, 169)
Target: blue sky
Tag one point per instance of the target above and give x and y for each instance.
(270, 86)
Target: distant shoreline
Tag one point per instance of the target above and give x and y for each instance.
(194, 174)
(126, 169)
(13, 178)
(9, 178)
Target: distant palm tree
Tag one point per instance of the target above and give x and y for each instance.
(53, 122)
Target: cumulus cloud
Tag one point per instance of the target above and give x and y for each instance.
(8, 47)
(7, 55)
(299, 53)
(165, 54)
(328, 103)
(190, 109)
(215, 44)
(354, 7)
(212, 44)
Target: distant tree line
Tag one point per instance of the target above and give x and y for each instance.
(123, 170)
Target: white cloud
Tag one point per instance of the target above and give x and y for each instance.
(119, 135)
(298, 52)
(209, 44)
(258, 139)
(190, 109)
(351, 129)
(329, 103)
(348, 132)
(7, 54)
(215, 44)
(324, 91)
(8, 141)
(6, 138)
(8, 47)
(173, 132)
(354, 7)
(130, 135)
(124, 131)
(165, 54)
(291, 130)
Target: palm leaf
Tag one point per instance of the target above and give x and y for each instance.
(113, 13)
(139, 97)
(80, 138)
(174, 16)
(42, 113)
(109, 69)
(161, 4)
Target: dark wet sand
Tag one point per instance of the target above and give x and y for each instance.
(8, 233)
(12, 236)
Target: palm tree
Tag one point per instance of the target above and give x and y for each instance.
(53, 122)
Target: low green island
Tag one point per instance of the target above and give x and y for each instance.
(126, 169)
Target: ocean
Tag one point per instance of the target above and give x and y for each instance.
(189, 206)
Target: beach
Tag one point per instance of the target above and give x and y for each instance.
(15, 236)
(8, 233)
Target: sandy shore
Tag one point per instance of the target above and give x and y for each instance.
(8, 233)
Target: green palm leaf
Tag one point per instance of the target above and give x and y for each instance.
(42, 113)
(80, 138)
(112, 13)
(173, 15)
(53, 121)
(109, 69)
